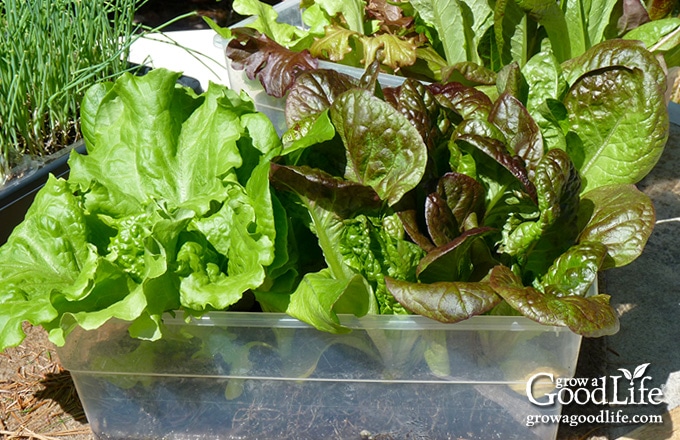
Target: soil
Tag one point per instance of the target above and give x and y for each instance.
(37, 397)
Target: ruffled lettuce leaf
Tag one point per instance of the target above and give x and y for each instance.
(171, 208)
(591, 316)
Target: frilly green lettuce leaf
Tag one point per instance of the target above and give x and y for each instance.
(157, 159)
(154, 218)
(32, 268)
(334, 44)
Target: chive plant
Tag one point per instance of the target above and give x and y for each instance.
(51, 51)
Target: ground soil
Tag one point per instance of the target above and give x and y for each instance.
(37, 397)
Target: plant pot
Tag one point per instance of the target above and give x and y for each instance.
(237, 375)
(17, 195)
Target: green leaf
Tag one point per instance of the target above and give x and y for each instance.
(444, 301)
(620, 217)
(335, 43)
(591, 317)
(320, 298)
(544, 77)
(618, 132)
(548, 14)
(658, 35)
(587, 21)
(266, 22)
(384, 151)
(576, 270)
(374, 247)
(457, 22)
(88, 108)
(153, 217)
(45, 253)
(309, 131)
(512, 33)
(173, 153)
(351, 10)
(395, 51)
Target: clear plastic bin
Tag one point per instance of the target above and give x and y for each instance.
(235, 375)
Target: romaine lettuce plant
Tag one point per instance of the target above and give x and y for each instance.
(504, 205)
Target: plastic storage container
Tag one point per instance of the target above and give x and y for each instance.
(235, 375)
(290, 13)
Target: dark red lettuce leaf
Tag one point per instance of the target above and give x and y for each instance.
(634, 14)
(409, 218)
(314, 92)
(418, 104)
(484, 138)
(452, 261)
(467, 101)
(658, 9)
(592, 316)
(333, 194)
(523, 134)
(275, 66)
(442, 301)
(388, 14)
(463, 195)
(441, 224)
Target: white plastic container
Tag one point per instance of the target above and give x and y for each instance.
(233, 375)
(290, 13)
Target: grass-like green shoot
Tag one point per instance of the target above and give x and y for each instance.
(51, 51)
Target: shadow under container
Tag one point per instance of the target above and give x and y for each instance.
(237, 375)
